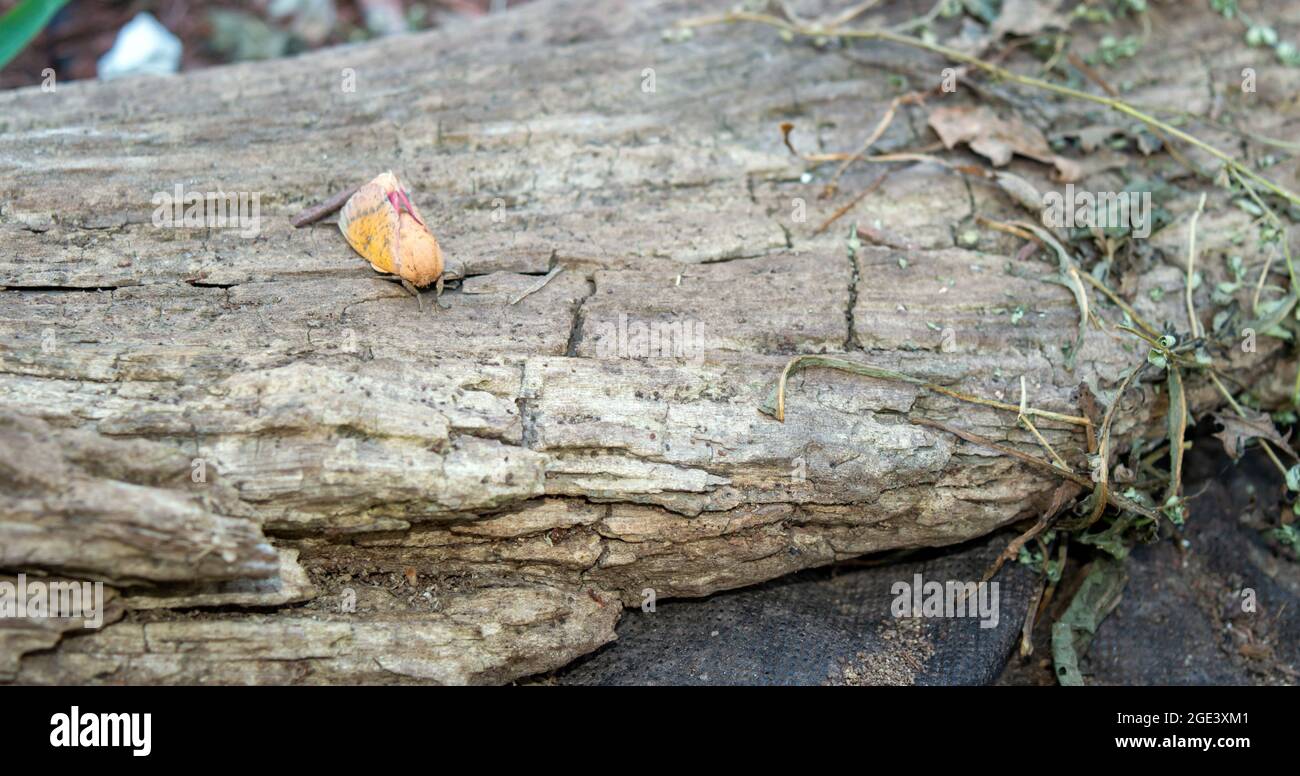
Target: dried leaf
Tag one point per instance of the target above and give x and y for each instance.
(1237, 431)
(1022, 191)
(1177, 422)
(1028, 17)
(1091, 138)
(973, 38)
(998, 139)
(1098, 596)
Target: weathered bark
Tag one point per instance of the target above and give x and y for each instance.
(472, 494)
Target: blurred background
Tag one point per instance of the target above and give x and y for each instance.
(79, 34)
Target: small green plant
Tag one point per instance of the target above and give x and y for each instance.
(1113, 49)
(1104, 13)
(24, 22)
(1288, 535)
(1259, 34)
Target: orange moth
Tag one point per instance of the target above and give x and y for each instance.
(382, 224)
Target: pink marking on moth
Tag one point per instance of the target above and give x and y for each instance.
(399, 200)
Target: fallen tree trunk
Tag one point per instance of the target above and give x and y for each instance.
(209, 421)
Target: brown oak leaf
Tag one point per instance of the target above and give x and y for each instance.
(998, 139)
(1238, 430)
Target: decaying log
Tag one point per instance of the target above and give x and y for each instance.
(472, 494)
(79, 502)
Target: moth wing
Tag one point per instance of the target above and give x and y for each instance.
(370, 225)
(415, 211)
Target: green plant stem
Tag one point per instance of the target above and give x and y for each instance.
(777, 403)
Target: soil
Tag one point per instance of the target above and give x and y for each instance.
(1184, 618)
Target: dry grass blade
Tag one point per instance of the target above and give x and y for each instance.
(1101, 490)
(775, 404)
(538, 286)
(1193, 325)
(1023, 419)
(1177, 431)
(1071, 278)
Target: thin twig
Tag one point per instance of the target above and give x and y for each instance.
(316, 212)
(1070, 278)
(852, 203)
(1121, 304)
(1064, 494)
(1102, 486)
(1031, 617)
(1259, 285)
(1013, 548)
(1029, 424)
(1194, 324)
(871, 139)
(1277, 223)
(888, 374)
(534, 288)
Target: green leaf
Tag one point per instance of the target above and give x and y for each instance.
(1249, 207)
(1271, 314)
(1072, 634)
(1293, 478)
(1175, 511)
(980, 9)
(1288, 534)
(1112, 539)
(23, 23)
(1287, 53)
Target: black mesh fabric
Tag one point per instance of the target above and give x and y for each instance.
(816, 627)
(1181, 619)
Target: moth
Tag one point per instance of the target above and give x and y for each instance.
(383, 225)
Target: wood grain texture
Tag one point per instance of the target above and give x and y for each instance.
(473, 493)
